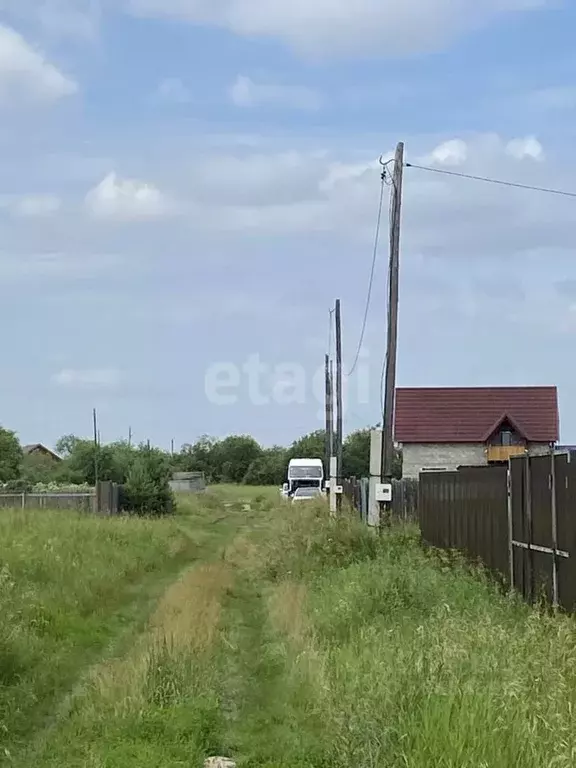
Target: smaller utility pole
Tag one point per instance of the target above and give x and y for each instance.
(392, 342)
(339, 437)
(329, 415)
(129, 437)
(96, 460)
(172, 447)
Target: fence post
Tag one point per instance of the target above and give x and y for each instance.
(23, 499)
(528, 502)
(510, 524)
(554, 510)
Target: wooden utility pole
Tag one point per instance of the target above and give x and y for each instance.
(96, 459)
(339, 396)
(329, 415)
(129, 437)
(392, 342)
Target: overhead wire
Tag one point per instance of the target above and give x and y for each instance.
(383, 185)
(489, 180)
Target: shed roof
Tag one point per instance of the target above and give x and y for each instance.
(473, 414)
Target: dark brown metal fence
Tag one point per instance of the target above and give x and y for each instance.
(520, 521)
(467, 510)
(543, 528)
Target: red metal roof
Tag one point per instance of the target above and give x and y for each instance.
(472, 414)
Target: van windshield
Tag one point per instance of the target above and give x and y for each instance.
(305, 472)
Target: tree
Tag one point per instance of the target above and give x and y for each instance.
(234, 455)
(269, 469)
(356, 454)
(10, 456)
(66, 444)
(147, 489)
(312, 446)
(37, 468)
(80, 462)
(199, 457)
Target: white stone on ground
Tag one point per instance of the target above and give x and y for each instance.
(219, 762)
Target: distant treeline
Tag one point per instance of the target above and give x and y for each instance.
(235, 459)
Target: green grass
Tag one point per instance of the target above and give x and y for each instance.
(70, 586)
(297, 641)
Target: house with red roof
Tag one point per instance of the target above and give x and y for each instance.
(445, 428)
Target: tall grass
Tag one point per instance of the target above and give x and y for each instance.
(68, 585)
(308, 642)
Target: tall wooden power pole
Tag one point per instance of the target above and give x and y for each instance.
(96, 459)
(329, 415)
(339, 396)
(392, 343)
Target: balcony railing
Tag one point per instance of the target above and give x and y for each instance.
(501, 453)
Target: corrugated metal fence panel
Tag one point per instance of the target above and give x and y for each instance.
(566, 513)
(405, 500)
(467, 510)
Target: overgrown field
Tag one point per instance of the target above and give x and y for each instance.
(286, 640)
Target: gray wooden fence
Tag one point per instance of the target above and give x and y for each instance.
(104, 500)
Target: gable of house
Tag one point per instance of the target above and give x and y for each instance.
(37, 449)
(472, 415)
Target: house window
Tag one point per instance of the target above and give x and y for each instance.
(506, 438)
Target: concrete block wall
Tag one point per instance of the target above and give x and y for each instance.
(450, 456)
(447, 456)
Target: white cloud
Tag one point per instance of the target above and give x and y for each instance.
(25, 75)
(173, 90)
(328, 26)
(247, 93)
(528, 147)
(117, 198)
(58, 18)
(343, 173)
(454, 152)
(92, 378)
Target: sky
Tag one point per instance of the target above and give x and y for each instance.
(188, 185)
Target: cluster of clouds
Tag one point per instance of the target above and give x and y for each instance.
(301, 191)
(327, 27)
(26, 75)
(312, 27)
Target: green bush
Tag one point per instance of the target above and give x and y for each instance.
(147, 489)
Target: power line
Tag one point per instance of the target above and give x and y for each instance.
(488, 180)
(372, 269)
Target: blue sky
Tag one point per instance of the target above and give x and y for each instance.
(189, 184)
